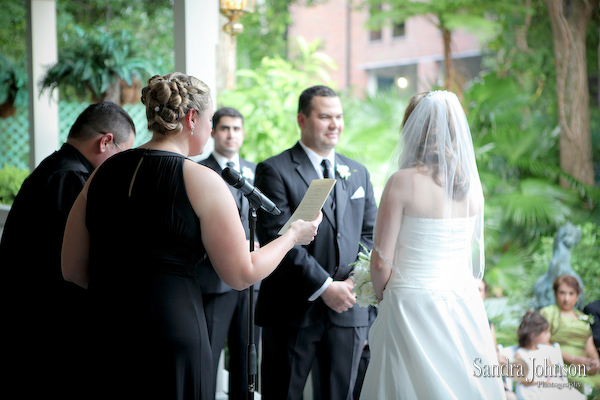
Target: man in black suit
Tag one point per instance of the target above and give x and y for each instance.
(47, 344)
(226, 309)
(306, 307)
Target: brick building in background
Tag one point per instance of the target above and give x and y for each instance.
(371, 60)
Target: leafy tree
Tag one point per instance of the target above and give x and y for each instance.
(13, 34)
(446, 15)
(524, 53)
(95, 64)
(13, 85)
(371, 132)
(13, 66)
(150, 23)
(570, 22)
(268, 98)
(514, 153)
(265, 33)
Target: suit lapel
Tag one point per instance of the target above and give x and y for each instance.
(303, 165)
(308, 174)
(212, 163)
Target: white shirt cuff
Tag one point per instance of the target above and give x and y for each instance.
(321, 289)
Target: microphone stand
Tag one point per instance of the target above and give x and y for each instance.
(251, 352)
(255, 200)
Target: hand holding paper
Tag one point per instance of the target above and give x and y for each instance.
(312, 202)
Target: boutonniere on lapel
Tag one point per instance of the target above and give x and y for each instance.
(344, 172)
(247, 173)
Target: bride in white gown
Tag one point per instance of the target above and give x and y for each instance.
(431, 338)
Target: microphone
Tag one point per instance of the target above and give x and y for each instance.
(255, 196)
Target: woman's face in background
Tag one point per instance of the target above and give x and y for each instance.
(566, 297)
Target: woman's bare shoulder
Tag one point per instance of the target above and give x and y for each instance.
(202, 183)
(196, 170)
(412, 179)
(405, 177)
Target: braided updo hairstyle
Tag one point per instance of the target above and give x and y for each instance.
(170, 97)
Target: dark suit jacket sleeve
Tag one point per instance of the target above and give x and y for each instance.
(298, 268)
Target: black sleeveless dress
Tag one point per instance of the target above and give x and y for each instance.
(149, 332)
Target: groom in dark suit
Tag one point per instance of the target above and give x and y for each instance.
(306, 307)
(226, 309)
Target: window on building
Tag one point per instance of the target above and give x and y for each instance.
(398, 29)
(375, 34)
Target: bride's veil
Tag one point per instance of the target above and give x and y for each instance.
(436, 140)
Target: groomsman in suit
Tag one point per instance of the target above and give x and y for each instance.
(306, 308)
(226, 309)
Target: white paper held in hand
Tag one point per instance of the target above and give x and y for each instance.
(311, 203)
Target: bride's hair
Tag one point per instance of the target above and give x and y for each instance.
(430, 122)
(412, 103)
(436, 141)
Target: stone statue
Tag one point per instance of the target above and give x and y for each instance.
(566, 238)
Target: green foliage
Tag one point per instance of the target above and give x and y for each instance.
(371, 132)
(265, 33)
(517, 153)
(11, 179)
(524, 50)
(513, 116)
(13, 82)
(268, 98)
(94, 61)
(13, 29)
(150, 23)
(451, 14)
(447, 16)
(584, 260)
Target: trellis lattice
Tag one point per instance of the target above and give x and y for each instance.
(14, 131)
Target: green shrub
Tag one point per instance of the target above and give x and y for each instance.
(11, 179)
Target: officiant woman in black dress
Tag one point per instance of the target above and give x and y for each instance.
(135, 234)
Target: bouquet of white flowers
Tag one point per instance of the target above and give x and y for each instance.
(363, 287)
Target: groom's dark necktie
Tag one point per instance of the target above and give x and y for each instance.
(327, 175)
(325, 164)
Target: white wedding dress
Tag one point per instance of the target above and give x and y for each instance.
(431, 336)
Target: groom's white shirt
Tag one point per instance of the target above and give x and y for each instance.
(315, 160)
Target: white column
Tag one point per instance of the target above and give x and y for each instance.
(41, 51)
(196, 38)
